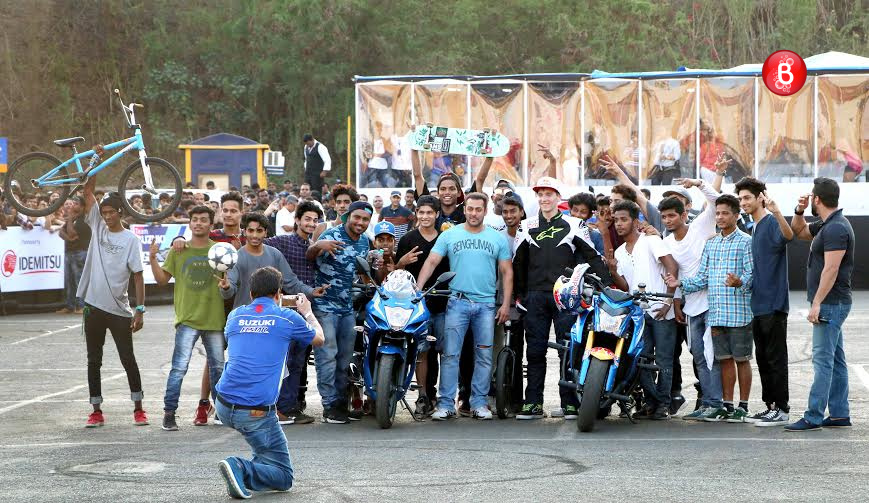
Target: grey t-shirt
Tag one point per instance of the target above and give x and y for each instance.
(239, 276)
(111, 258)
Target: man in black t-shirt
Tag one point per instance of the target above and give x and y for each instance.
(76, 234)
(413, 250)
(828, 281)
(450, 194)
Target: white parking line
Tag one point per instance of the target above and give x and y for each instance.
(861, 374)
(52, 395)
(46, 334)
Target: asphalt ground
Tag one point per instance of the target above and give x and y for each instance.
(47, 455)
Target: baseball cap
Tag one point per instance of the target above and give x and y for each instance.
(357, 205)
(547, 182)
(395, 193)
(503, 182)
(678, 191)
(515, 198)
(384, 228)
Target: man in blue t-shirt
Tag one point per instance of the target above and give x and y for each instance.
(476, 253)
(770, 236)
(335, 253)
(258, 336)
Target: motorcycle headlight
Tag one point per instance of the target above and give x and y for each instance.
(397, 317)
(609, 323)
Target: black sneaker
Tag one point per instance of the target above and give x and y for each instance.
(423, 407)
(300, 417)
(644, 413)
(334, 415)
(530, 411)
(169, 423)
(676, 403)
(355, 414)
(660, 414)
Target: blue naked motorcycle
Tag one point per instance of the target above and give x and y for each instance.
(605, 348)
(396, 320)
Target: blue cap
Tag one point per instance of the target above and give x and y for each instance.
(384, 228)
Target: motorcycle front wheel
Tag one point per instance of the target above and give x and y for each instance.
(387, 401)
(591, 393)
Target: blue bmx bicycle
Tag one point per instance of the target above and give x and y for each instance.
(38, 183)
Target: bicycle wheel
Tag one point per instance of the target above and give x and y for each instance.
(35, 201)
(166, 180)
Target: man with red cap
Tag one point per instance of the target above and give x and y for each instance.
(549, 242)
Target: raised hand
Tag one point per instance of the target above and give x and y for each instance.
(803, 202)
(611, 166)
(547, 154)
(409, 258)
(688, 182)
(770, 205)
(330, 246)
(179, 244)
(222, 281)
(154, 248)
(722, 163)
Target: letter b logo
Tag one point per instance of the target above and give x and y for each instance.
(784, 73)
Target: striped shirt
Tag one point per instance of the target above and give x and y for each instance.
(728, 306)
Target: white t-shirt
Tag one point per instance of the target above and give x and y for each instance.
(687, 252)
(643, 265)
(494, 221)
(284, 217)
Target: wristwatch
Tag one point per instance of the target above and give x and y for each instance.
(141, 309)
(797, 212)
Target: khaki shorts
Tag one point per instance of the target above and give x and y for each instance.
(733, 342)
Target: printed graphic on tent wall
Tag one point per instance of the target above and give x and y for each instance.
(843, 127)
(668, 130)
(553, 122)
(727, 126)
(610, 128)
(786, 136)
(384, 117)
(500, 106)
(443, 105)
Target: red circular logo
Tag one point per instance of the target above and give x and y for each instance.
(784, 73)
(8, 265)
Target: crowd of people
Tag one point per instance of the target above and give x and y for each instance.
(723, 257)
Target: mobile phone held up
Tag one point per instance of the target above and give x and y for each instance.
(290, 301)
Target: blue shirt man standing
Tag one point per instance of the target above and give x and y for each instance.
(258, 336)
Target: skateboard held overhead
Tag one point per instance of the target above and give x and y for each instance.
(458, 141)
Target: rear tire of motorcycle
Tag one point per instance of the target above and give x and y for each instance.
(591, 393)
(386, 403)
(504, 383)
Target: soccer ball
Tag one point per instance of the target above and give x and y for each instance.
(222, 257)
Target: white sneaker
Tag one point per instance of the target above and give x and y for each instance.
(557, 412)
(443, 414)
(482, 413)
(776, 418)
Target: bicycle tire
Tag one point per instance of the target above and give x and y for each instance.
(169, 209)
(19, 205)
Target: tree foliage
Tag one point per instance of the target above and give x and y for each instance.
(273, 69)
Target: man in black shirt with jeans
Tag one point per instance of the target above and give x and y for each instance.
(76, 235)
(828, 280)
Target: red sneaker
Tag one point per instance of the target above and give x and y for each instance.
(140, 418)
(95, 419)
(201, 418)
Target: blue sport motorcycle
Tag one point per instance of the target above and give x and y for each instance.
(396, 320)
(605, 348)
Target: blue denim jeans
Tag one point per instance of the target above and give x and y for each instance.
(270, 468)
(710, 380)
(333, 357)
(830, 386)
(289, 395)
(73, 266)
(436, 329)
(659, 338)
(480, 317)
(185, 338)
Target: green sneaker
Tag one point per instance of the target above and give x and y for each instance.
(531, 411)
(697, 415)
(570, 412)
(737, 416)
(716, 415)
